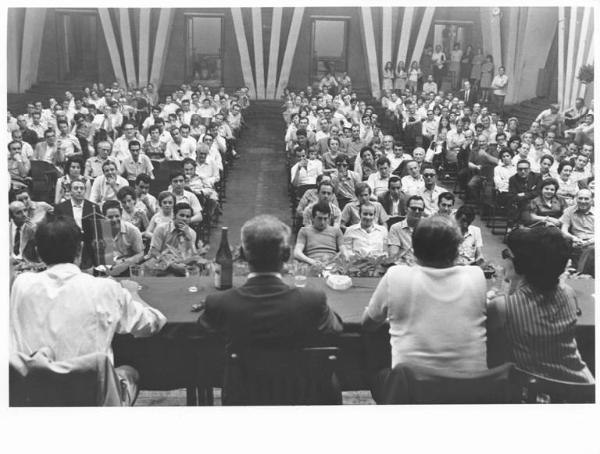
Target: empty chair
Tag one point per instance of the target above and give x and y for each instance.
(268, 377)
(414, 384)
(85, 381)
(538, 389)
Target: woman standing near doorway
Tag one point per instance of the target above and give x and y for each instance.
(487, 73)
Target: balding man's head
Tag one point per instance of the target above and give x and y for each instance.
(18, 212)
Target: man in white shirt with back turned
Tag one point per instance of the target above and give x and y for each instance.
(70, 312)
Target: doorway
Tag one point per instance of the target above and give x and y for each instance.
(204, 47)
(77, 45)
(329, 46)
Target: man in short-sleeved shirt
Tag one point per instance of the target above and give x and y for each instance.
(318, 243)
(127, 239)
(578, 221)
(400, 236)
(366, 237)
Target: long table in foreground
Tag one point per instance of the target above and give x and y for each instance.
(172, 359)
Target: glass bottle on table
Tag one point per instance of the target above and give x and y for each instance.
(223, 268)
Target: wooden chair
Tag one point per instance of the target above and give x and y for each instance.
(538, 389)
(414, 384)
(273, 377)
(43, 181)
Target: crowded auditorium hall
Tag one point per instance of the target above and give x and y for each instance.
(369, 205)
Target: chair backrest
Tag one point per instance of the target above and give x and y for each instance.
(538, 389)
(269, 377)
(43, 180)
(37, 381)
(414, 384)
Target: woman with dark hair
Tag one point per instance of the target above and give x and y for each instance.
(436, 310)
(365, 163)
(73, 171)
(546, 208)
(567, 188)
(539, 318)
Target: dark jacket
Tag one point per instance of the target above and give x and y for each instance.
(66, 209)
(386, 201)
(267, 313)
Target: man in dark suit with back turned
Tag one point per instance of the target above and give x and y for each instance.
(81, 210)
(265, 312)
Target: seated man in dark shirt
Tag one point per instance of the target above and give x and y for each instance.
(522, 187)
(265, 312)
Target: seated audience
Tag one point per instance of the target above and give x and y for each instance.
(366, 237)
(431, 191)
(106, 186)
(325, 195)
(133, 210)
(82, 211)
(319, 242)
(137, 163)
(540, 256)
(71, 312)
(175, 234)
(378, 181)
(419, 302)
(578, 226)
(446, 204)
(400, 236)
(351, 212)
(73, 171)
(177, 188)
(546, 208)
(128, 248)
(344, 181)
(394, 199)
(470, 250)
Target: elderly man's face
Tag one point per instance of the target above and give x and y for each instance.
(584, 200)
(419, 154)
(413, 169)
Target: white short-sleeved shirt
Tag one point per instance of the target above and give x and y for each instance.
(471, 241)
(359, 240)
(436, 315)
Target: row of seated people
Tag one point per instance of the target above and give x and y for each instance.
(129, 171)
(87, 113)
(469, 149)
(438, 314)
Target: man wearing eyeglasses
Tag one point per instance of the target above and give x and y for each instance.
(432, 191)
(214, 154)
(120, 149)
(400, 236)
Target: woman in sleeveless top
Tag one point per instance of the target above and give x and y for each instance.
(540, 317)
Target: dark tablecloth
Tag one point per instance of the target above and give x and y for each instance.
(183, 354)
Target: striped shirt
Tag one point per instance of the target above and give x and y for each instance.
(540, 329)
